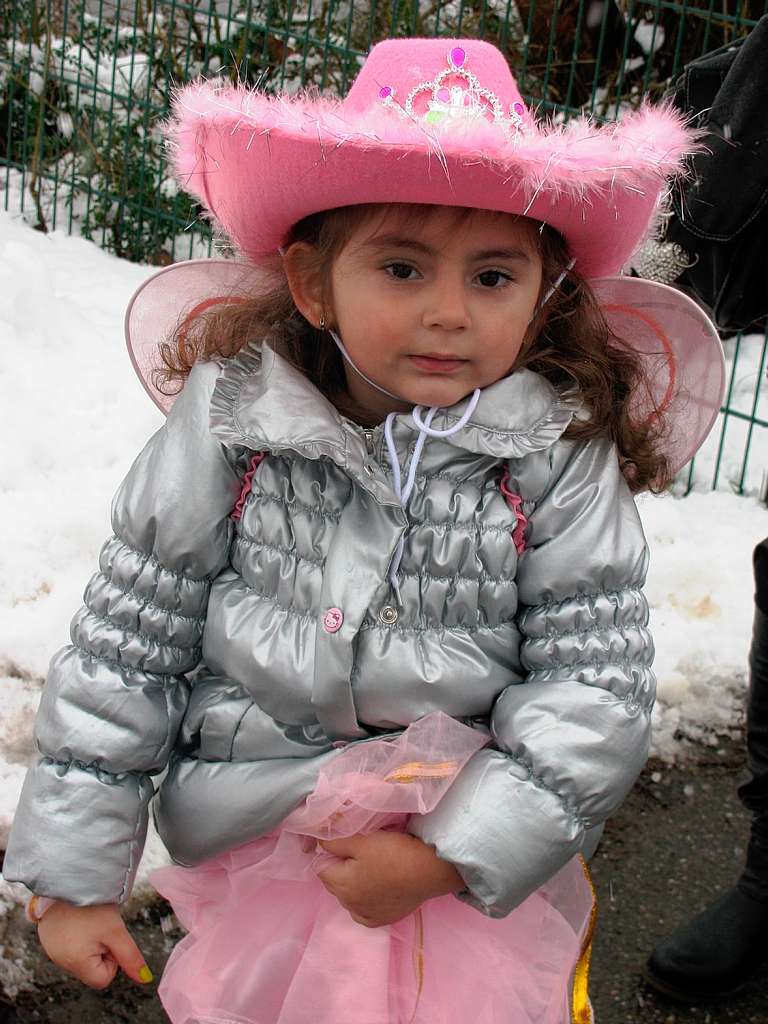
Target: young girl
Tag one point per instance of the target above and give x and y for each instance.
(374, 594)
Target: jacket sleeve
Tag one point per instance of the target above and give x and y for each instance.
(113, 700)
(573, 736)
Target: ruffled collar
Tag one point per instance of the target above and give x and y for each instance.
(262, 402)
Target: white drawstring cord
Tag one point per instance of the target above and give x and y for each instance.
(357, 370)
(471, 406)
(404, 493)
(555, 285)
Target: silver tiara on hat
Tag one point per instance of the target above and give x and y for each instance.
(456, 104)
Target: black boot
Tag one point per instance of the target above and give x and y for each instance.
(713, 955)
(754, 794)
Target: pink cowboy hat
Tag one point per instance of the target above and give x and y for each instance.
(426, 121)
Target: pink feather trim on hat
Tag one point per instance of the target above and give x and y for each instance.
(647, 144)
(260, 163)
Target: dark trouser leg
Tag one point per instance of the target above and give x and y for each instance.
(754, 794)
(716, 952)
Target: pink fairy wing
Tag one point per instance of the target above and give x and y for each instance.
(683, 355)
(173, 298)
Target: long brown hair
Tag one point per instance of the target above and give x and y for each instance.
(569, 341)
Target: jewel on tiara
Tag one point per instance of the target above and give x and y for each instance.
(456, 104)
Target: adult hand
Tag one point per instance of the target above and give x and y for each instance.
(91, 943)
(384, 876)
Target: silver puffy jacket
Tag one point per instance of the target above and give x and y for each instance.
(204, 643)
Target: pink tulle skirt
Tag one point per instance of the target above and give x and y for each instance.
(267, 943)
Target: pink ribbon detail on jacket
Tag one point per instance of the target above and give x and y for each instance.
(256, 461)
(515, 502)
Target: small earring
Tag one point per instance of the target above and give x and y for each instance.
(322, 322)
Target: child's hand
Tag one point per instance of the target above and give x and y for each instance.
(91, 943)
(385, 876)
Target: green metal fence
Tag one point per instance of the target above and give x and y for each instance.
(83, 84)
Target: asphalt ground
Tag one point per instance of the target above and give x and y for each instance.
(676, 843)
(679, 839)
